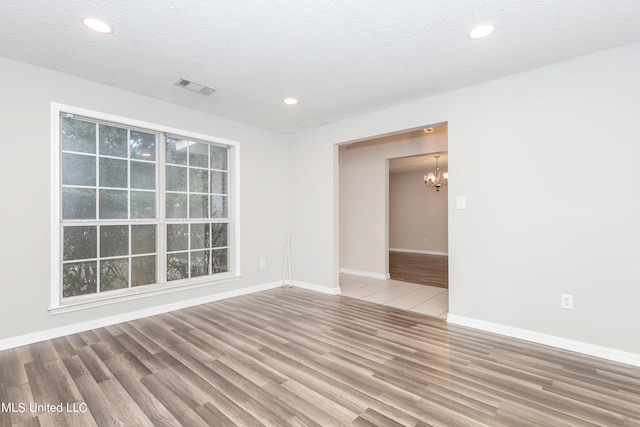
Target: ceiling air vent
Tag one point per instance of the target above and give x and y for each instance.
(196, 87)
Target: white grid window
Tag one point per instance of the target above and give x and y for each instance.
(139, 209)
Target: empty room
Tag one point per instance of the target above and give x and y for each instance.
(201, 224)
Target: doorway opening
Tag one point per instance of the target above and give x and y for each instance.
(367, 174)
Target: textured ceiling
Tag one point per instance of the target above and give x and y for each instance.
(339, 58)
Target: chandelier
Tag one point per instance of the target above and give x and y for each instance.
(437, 178)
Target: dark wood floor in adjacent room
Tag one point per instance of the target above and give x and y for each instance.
(424, 269)
(291, 357)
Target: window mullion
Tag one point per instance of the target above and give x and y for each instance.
(129, 216)
(129, 140)
(97, 188)
(161, 241)
(98, 259)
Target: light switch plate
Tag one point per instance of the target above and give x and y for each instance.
(461, 202)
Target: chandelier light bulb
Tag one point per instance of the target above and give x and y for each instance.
(436, 179)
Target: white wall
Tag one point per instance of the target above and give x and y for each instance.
(26, 93)
(560, 214)
(417, 215)
(364, 210)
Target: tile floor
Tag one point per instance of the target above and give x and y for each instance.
(429, 300)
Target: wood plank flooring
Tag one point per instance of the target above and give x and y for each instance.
(423, 269)
(291, 357)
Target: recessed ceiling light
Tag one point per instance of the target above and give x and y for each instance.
(290, 101)
(97, 25)
(482, 31)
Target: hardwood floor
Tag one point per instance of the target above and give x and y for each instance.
(423, 269)
(291, 357)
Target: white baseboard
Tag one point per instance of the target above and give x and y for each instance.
(380, 276)
(317, 288)
(418, 251)
(550, 340)
(125, 317)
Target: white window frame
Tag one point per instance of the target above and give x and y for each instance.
(58, 305)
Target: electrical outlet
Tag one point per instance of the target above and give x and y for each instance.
(263, 263)
(566, 301)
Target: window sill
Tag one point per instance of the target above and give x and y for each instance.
(135, 294)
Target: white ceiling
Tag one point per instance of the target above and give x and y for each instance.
(422, 163)
(339, 58)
